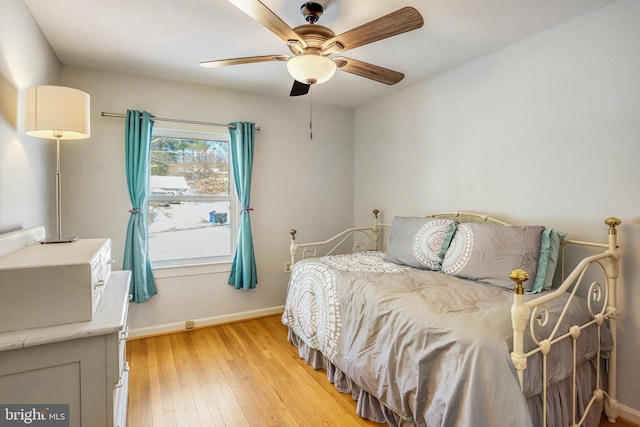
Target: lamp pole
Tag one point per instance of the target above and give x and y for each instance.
(58, 134)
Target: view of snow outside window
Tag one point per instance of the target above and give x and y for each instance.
(190, 201)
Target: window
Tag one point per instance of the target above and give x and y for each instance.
(192, 201)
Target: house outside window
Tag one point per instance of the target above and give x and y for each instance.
(192, 201)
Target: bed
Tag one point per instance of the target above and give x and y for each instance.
(459, 319)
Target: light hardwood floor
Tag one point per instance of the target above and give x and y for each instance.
(240, 374)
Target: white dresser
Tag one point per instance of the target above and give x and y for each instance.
(80, 364)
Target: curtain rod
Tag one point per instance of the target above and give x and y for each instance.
(164, 119)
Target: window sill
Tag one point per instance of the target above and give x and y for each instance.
(191, 270)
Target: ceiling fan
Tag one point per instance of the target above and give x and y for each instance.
(312, 44)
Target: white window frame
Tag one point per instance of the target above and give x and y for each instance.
(201, 265)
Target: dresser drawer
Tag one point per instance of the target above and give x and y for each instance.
(120, 399)
(122, 350)
(100, 273)
(117, 353)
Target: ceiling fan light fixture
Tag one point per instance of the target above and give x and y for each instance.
(311, 69)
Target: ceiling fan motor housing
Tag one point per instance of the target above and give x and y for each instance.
(314, 36)
(311, 11)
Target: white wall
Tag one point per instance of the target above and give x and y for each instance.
(27, 164)
(544, 131)
(297, 182)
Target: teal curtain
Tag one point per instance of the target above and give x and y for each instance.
(243, 272)
(138, 129)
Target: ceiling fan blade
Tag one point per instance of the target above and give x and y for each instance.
(247, 60)
(261, 13)
(370, 71)
(299, 88)
(398, 22)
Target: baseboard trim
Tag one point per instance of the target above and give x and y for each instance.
(629, 414)
(171, 328)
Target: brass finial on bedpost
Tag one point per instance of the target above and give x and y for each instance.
(375, 213)
(612, 222)
(519, 277)
(293, 232)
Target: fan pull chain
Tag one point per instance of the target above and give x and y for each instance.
(311, 112)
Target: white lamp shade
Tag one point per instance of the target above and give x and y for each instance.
(311, 69)
(57, 111)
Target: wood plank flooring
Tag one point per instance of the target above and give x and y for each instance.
(240, 374)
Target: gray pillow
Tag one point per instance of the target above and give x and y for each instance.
(489, 252)
(419, 242)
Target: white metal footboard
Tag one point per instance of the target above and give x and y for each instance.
(534, 313)
(364, 238)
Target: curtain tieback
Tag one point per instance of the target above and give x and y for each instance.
(246, 209)
(135, 211)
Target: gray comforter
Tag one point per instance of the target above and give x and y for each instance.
(432, 348)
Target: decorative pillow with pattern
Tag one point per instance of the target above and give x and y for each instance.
(489, 252)
(419, 242)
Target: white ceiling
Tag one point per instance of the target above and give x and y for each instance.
(168, 38)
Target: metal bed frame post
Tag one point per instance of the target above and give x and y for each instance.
(611, 404)
(375, 231)
(519, 318)
(293, 246)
